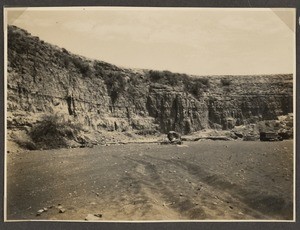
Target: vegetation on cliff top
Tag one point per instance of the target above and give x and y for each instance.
(195, 86)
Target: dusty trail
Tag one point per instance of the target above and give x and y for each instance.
(199, 180)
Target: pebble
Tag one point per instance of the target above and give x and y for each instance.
(92, 217)
(39, 212)
(62, 210)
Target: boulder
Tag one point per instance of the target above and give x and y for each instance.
(174, 137)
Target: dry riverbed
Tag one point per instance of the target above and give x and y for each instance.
(204, 180)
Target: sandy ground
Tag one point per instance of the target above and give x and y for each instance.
(204, 180)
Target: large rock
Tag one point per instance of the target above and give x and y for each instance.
(174, 136)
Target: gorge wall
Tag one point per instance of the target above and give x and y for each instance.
(45, 79)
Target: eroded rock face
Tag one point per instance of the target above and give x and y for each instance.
(176, 110)
(251, 99)
(44, 79)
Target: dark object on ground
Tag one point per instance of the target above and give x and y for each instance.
(286, 134)
(218, 138)
(174, 137)
(270, 136)
(250, 138)
(87, 145)
(177, 142)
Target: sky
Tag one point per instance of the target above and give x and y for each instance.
(200, 41)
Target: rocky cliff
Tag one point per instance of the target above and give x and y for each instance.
(45, 79)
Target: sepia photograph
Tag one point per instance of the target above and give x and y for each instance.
(149, 114)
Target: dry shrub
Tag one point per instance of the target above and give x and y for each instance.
(53, 132)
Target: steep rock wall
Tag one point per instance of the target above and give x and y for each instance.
(45, 79)
(249, 99)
